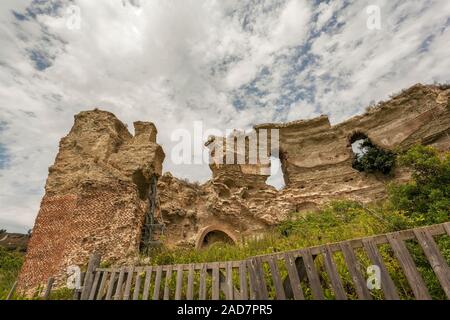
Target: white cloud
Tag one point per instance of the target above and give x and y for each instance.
(228, 63)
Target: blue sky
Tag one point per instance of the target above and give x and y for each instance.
(230, 64)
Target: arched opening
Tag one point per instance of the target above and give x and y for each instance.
(276, 178)
(216, 237)
(358, 144)
(212, 235)
(370, 158)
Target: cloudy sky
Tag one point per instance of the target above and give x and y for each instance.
(227, 63)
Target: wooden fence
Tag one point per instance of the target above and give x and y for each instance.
(288, 275)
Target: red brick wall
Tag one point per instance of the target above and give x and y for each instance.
(106, 219)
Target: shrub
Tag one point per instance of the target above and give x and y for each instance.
(426, 198)
(374, 159)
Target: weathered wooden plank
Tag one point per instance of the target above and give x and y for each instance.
(190, 284)
(294, 279)
(313, 275)
(118, 294)
(111, 284)
(215, 282)
(259, 280)
(179, 285)
(130, 274)
(48, 288)
(330, 266)
(387, 285)
(446, 227)
(261, 276)
(243, 281)
(157, 283)
(94, 262)
(229, 288)
(437, 261)
(202, 289)
(409, 268)
(278, 283)
(167, 283)
(95, 285)
(137, 286)
(101, 289)
(147, 282)
(252, 281)
(353, 267)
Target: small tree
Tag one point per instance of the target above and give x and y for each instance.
(427, 197)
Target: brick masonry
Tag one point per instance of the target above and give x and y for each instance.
(71, 227)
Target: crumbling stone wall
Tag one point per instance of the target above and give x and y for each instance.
(93, 201)
(95, 192)
(317, 157)
(317, 165)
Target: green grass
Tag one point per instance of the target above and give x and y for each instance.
(339, 221)
(423, 201)
(10, 264)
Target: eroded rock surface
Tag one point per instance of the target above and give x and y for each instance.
(317, 165)
(96, 191)
(95, 198)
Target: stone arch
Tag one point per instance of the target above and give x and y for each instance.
(355, 139)
(355, 136)
(214, 229)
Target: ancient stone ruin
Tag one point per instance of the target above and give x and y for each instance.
(96, 196)
(106, 192)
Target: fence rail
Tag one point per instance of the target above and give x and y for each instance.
(298, 274)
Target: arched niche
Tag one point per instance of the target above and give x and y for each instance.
(213, 234)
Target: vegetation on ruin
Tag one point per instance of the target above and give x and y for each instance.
(424, 200)
(374, 159)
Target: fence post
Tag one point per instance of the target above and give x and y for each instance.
(94, 263)
(48, 289)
